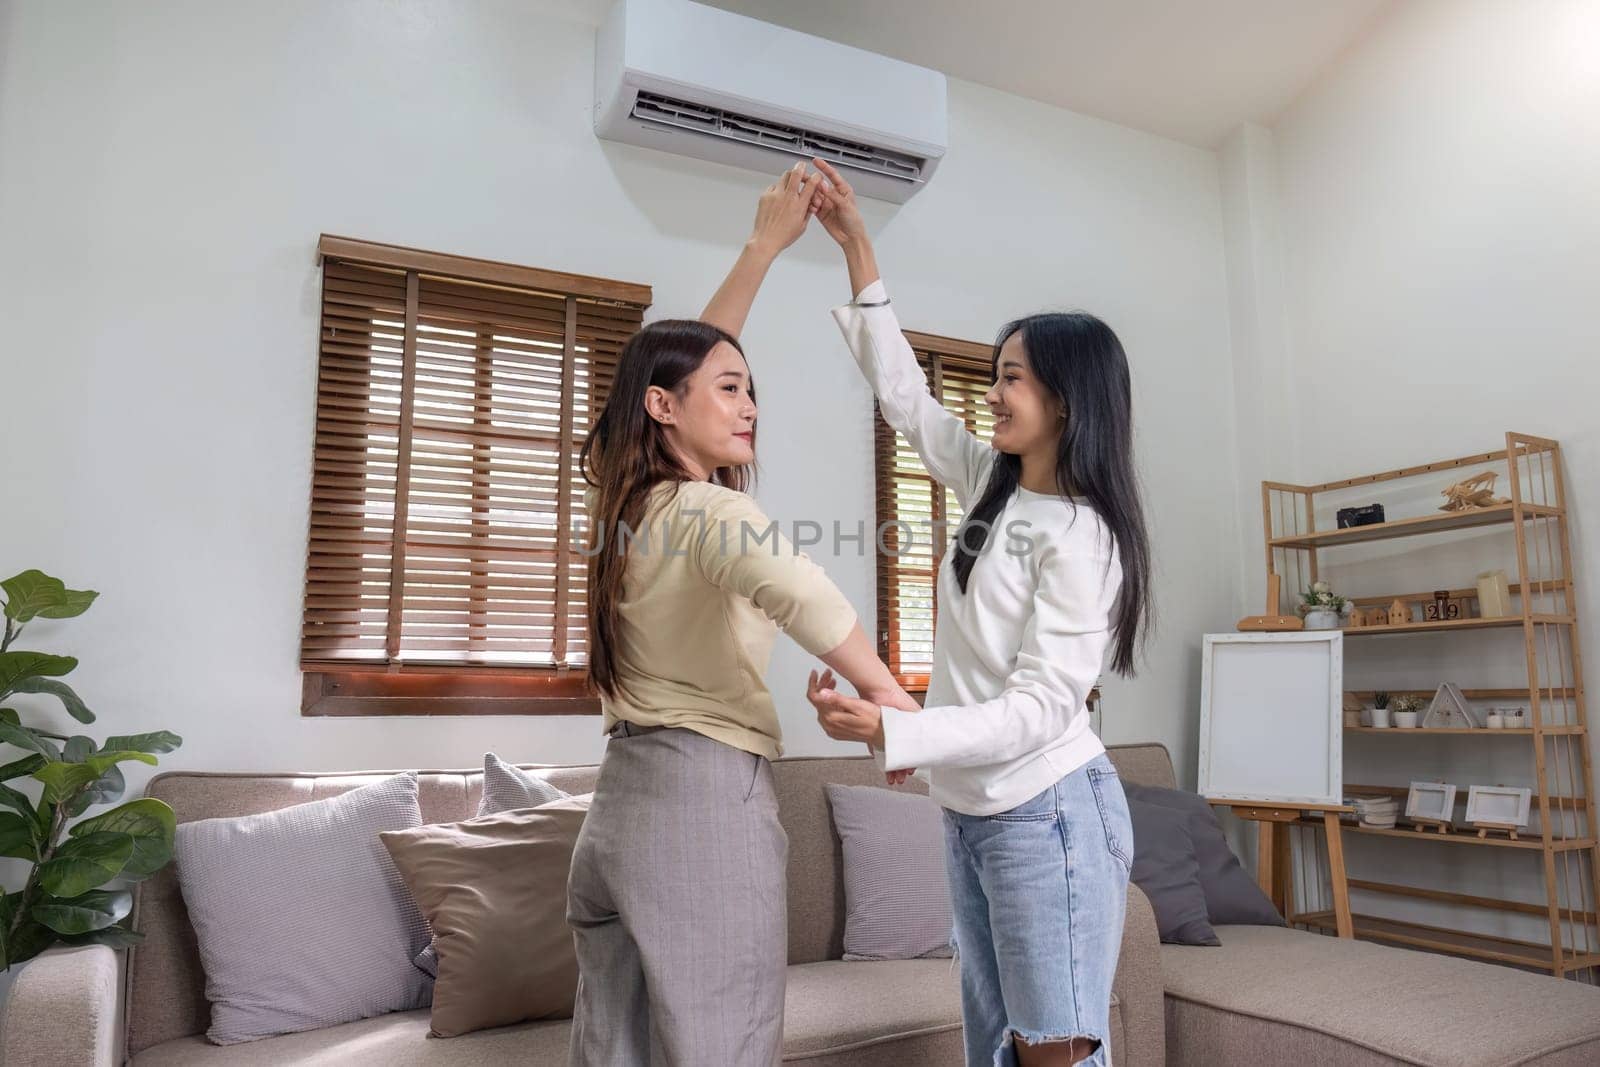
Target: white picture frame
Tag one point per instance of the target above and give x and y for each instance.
(1498, 805)
(1432, 801)
(1271, 717)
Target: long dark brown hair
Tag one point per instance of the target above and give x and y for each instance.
(1081, 361)
(627, 455)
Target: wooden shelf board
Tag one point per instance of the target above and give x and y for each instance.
(1526, 731)
(1439, 939)
(1519, 693)
(1580, 963)
(1426, 730)
(1426, 524)
(1452, 624)
(1520, 907)
(1466, 835)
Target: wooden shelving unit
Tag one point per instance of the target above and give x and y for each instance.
(1563, 835)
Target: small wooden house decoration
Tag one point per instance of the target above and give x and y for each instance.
(1449, 710)
(1399, 613)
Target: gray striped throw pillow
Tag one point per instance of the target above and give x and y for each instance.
(509, 788)
(897, 898)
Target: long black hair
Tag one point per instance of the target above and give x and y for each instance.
(626, 455)
(1081, 362)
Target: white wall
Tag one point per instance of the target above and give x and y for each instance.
(1438, 197)
(165, 169)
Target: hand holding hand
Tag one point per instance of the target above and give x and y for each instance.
(836, 208)
(846, 718)
(784, 209)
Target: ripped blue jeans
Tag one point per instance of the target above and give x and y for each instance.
(1039, 894)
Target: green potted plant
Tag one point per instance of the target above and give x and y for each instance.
(1322, 608)
(64, 895)
(1380, 709)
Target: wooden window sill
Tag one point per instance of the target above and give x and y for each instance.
(419, 691)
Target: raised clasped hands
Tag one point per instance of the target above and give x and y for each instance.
(788, 204)
(834, 204)
(847, 718)
(784, 209)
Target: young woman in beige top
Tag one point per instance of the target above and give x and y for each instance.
(677, 891)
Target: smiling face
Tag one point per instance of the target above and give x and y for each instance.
(1028, 417)
(711, 420)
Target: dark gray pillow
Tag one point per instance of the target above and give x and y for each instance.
(896, 894)
(1164, 866)
(301, 917)
(508, 788)
(505, 788)
(1232, 896)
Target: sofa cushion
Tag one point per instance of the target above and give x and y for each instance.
(1232, 896)
(816, 858)
(837, 1014)
(494, 891)
(301, 917)
(1164, 866)
(1276, 995)
(507, 788)
(397, 1040)
(897, 897)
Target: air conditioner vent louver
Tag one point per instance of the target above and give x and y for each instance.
(658, 110)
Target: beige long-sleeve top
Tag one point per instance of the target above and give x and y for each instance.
(710, 581)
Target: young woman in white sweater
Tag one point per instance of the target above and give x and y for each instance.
(1048, 574)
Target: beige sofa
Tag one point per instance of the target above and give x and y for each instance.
(1267, 996)
(838, 1014)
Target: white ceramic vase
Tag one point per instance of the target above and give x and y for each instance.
(1322, 620)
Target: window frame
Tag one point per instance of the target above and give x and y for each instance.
(934, 353)
(385, 687)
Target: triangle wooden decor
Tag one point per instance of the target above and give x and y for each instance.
(1449, 710)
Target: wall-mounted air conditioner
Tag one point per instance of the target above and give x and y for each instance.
(703, 82)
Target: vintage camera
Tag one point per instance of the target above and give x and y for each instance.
(1369, 515)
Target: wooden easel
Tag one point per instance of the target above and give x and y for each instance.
(1272, 852)
(1487, 828)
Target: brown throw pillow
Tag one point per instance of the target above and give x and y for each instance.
(494, 889)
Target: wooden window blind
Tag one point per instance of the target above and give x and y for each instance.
(959, 374)
(453, 394)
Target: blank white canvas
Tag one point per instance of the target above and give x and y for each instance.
(1270, 717)
(1431, 800)
(1499, 804)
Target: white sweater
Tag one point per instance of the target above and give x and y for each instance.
(1015, 656)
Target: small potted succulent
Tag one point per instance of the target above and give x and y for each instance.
(1380, 709)
(1405, 710)
(1322, 608)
